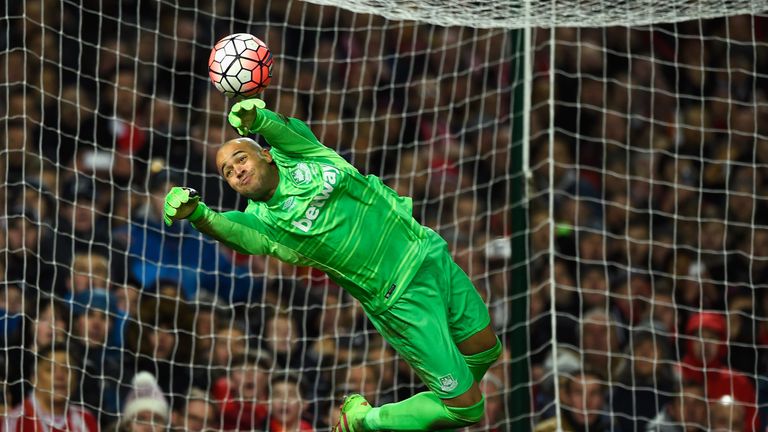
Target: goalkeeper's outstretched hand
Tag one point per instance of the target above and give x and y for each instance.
(243, 114)
(180, 203)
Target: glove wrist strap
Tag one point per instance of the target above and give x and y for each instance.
(198, 213)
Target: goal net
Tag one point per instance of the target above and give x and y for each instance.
(646, 203)
(602, 186)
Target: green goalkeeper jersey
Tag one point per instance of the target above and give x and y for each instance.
(326, 215)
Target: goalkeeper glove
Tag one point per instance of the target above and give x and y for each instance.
(180, 203)
(243, 115)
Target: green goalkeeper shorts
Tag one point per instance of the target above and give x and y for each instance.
(437, 310)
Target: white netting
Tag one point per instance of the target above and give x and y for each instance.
(646, 207)
(532, 13)
(648, 226)
(107, 104)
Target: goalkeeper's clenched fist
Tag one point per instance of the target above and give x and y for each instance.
(180, 203)
(243, 114)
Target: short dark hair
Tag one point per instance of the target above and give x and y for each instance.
(256, 357)
(288, 377)
(47, 353)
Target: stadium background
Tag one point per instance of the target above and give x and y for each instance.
(640, 207)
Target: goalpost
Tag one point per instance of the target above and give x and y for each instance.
(596, 168)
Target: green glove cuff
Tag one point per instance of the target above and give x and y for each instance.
(259, 104)
(199, 212)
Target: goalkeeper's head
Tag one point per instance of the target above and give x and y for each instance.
(248, 168)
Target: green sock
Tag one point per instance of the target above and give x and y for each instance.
(480, 362)
(423, 411)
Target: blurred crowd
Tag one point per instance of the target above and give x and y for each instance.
(649, 185)
(110, 320)
(647, 268)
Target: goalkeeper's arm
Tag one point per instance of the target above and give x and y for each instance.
(235, 229)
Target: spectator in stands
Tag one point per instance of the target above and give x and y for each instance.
(89, 270)
(84, 227)
(546, 373)
(631, 295)
(197, 414)
(582, 404)
(383, 360)
(121, 116)
(745, 351)
(94, 313)
(243, 394)
(168, 127)
(29, 254)
(334, 321)
(35, 197)
(127, 298)
(638, 239)
(663, 315)
(229, 342)
(50, 406)
(759, 268)
(493, 389)
(179, 56)
(146, 408)
(705, 362)
(287, 405)
(45, 324)
(686, 412)
(695, 288)
(68, 122)
(358, 377)
(205, 309)
(18, 156)
(593, 282)
(495, 278)
(591, 249)
(5, 393)
(411, 179)
(662, 249)
(566, 302)
(11, 309)
(726, 415)
(644, 382)
(160, 342)
(600, 344)
(283, 339)
(157, 252)
(227, 274)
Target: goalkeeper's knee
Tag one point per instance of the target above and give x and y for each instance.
(479, 363)
(467, 416)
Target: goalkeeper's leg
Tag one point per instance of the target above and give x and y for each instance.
(481, 351)
(440, 326)
(426, 410)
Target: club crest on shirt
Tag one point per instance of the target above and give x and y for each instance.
(448, 383)
(301, 174)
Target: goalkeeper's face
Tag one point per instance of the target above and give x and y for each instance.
(248, 168)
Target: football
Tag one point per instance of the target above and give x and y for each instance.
(240, 65)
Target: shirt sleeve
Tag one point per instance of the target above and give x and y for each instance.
(240, 231)
(289, 135)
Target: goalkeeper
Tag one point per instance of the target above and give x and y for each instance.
(309, 207)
